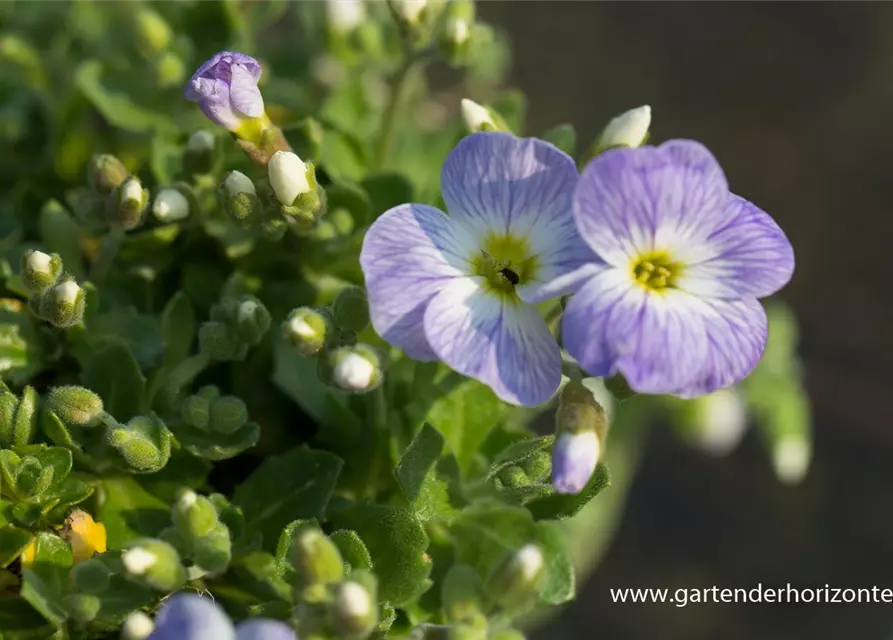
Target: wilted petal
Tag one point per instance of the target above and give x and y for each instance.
(408, 256)
(736, 332)
(503, 343)
(748, 256)
(633, 201)
(189, 617)
(264, 629)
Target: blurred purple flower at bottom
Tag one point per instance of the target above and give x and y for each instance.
(671, 303)
(226, 89)
(186, 616)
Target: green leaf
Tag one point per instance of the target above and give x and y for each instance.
(294, 485)
(140, 333)
(60, 234)
(387, 190)
(352, 549)
(417, 475)
(518, 452)
(558, 583)
(44, 580)
(564, 137)
(465, 416)
(397, 543)
(20, 621)
(12, 542)
(46, 600)
(114, 374)
(178, 327)
(560, 506)
(58, 458)
(218, 446)
(121, 598)
(130, 512)
(116, 107)
(165, 158)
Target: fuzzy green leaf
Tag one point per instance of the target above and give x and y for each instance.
(116, 107)
(419, 478)
(559, 506)
(178, 326)
(130, 512)
(352, 550)
(113, 373)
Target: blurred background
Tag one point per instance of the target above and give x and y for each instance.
(794, 99)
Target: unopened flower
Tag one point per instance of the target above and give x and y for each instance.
(170, 206)
(356, 369)
(629, 129)
(85, 535)
(574, 457)
(40, 270)
(288, 176)
(410, 10)
(237, 182)
(226, 89)
(462, 288)
(720, 421)
(671, 301)
(345, 15)
(202, 141)
(187, 616)
(479, 118)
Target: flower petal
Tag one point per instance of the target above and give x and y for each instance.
(408, 255)
(656, 340)
(504, 344)
(736, 332)
(244, 94)
(633, 201)
(748, 256)
(264, 629)
(190, 617)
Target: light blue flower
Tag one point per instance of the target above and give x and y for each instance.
(187, 616)
(226, 89)
(460, 287)
(671, 301)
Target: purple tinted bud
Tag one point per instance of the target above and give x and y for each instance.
(574, 457)
(263, 629)
(226, 89)
(190, 617)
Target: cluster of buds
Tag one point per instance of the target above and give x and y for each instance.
(581, 428)
(55, 296)
(330, 334)
(118, 201)
(215, 427)
(236, 325)
(199, 535)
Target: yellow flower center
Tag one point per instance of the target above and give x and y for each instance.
(505, 261)
(655, 271)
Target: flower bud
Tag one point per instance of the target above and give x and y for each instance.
(194, 516)
(720, 421)
(480, 118)
(82, 607)
(237, 182)
(63, 304)
(217, 340)
(196, 412)
(351, 309)
(170, 69)
(144, 443)
(574, 457)
(515, 580)
(153, 34)
(455, 40)
(170, 206)
(18, 417)
(410, 11)
(199, 156)
(790, 457)
(354, 613)
(213, 552)
(288, 176)
(105, 172)
(345, 15)
(252, 320)
(75, 405)
(356, 369)
(316, 558)
(155, 564)
(86, 536)
(126, 205)
(228, 415)
(307, 330)
(40, 271)
(90, 576)
(137, 626)
(629, 129)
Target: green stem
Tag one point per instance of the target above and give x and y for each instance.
(187, 370)
(377, 435)
(389, 119)
(107, 252)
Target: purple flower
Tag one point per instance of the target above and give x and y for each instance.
(574, 456)
(460, 287)
(226, 89)
(672, 300)
(187, 616)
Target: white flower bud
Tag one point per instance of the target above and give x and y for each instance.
(138, 560)
(237, 182)
(721, 420)
(202, 141)
(790, 457)
(288, 176)
(39, 262)
(170, 205)
(67, 292)
(410, 10)
(137, 626)
(477, 116)
(457, 32)
(353, 600)
(132, 189)
(629, 129)
(530, 562)
(353, 372)
(345, 15)
(187, 499)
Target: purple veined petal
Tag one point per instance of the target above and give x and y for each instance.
(562, 278)
(186, 616)
(244, 94)
(503, 343)
(656, 340)
(736, 332)
(409, 254)
(748, 256)
(633, 201)
(264, 629)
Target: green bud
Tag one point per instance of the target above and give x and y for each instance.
(209, 393)
(153, 34)
(32, 479)
(213, 552)
(353, 611)
(216, 340)
(82, 607)
(125, 206)
(90, 576)
(40, 271)
(18, 418)
(316, 558)
(228, 414)
(63, 305)
(351, 309)
(196, 412)
(239, 196)
(199, 155)
(307, 330)
(514, 476)
(144, 443)
(455, 40)
(170, 70)
(252, 320)
(194, 516)
(462, 594)
(515, 580)
(75, 405)
(356, 369)
(105, 173)
(155, 564)
(538, 466)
